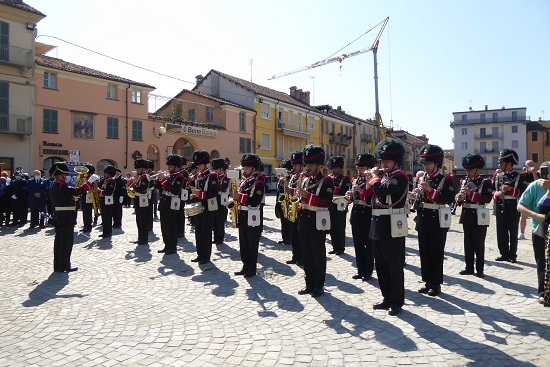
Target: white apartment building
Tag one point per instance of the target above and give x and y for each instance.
(487, 132)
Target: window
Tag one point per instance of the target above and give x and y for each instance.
(482, 117)
(209, 114)
(245, 145)
(300, 148)
(299, 125)
(4, 105)
(4, 41)
(299, 119)
(515, 144)
(137, 130)
(191, 114)
(482, 133)
(136, 96)
(464, 145)
(514, 115)
(464, 119)
(290, 117)
(242, 121)
(535, 157)
(290, 145)
(535, 136)
(50, 121)
(50, 80)
(265, 111)
(111, 91)
(514, 129)
(311, 123)
(281, 148)
(464, 131)
(266, 141)
(495, 117)
(112, 128)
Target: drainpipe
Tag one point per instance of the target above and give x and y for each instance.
(276, 122)
(126, 152)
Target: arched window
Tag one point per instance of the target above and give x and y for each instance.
(153, 155)
(49, 162)
(102, 164)
(214, 154)
(184, 148)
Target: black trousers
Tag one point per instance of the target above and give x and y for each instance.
(150, 216)
(107, 219)
(168, 226)
(19, 210)
(285, 224)
(142, 223)
(295, 240)
(507, 233)
(360, 228)
(87, 210)
(220, 217)
(249, 242)
(388, 255)
(539, 244)
(203, 234)
(181, 219)
(313, 250)
(63, 247)
(432, 250)
(37, 206)
(338, 228)
(117, 213)
(474, 245)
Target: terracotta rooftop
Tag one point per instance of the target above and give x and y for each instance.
(58, 64)
(212, 98)
(537, 125)
(19, 4)
(409, 138)
(185, 122)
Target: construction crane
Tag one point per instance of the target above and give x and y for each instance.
(341, 58)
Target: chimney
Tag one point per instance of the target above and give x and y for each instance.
(293, 91)
(486, 107)
(199, 79)
(299, 94)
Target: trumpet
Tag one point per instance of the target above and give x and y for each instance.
(158, 174)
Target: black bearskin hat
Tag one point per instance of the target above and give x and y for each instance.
(391, 150)
(201, 157)
(286, 164)
(509, 156)
(218, 163)
(91, 168)
(110, 170)
(251, 160)
(141, 163)
(431, 153)
(314, 154)
(150, 164)
(59, 168)
(473, 161)
(335, 162)
(365, 160)
(173, 160)
(297, 158)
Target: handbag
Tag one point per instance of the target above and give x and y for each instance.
(444, 217)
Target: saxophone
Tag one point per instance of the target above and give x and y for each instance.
(95, 200)
(233, 205)
(294, 205)
(283, 199)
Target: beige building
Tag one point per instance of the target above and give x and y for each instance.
(412, 144)
(538, 141)
(17, 84)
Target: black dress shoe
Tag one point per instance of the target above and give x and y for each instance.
(71, 269)
(502, 258)
(513, 261)
(281, 242)
(170, 252)
(394, 311)
(318, 292)
(196, 260)
(134, 241)
(58, 270)
(306, 290)
(117, 227)
(425, 289)
(250, 274)
(381, 306)
(240, 272)
(480, 275)
(162, 251)
(339, 252)
(434, 291)
(204, 261)
(105, 235)
(292, 261)
(466, 272)
(357, 276)
(332, 252)
(299, 263)
(366, 279)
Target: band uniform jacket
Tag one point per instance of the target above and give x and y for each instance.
(442, 192)
(223, 187)
(342, 184)
(108, 187)
(170, 187)
(518, 182)
(141, 185)
(396, 185)
(251, 193)
(61, 195)
(325, 194)
(207, 182)
(366, 202)
(476, 196)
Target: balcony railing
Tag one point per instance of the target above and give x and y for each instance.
(14, 55)
(489, 136)
(340, 139)
(15, 124)
(366, 137)
(491, 120)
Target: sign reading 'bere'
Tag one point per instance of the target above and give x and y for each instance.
(201, 132)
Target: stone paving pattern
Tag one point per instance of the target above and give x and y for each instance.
(127, 305)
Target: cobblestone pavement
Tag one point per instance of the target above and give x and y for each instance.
(128, 305)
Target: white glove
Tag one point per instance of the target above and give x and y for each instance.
(14, 197)
(93, 178)
(120, 199)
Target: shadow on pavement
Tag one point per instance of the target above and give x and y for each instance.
(361, 322)
(48, 290)
(347, 287)
(221, 282)
(173, 264)
(271, 298)
(141, 254)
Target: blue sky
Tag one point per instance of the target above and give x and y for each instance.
(434, 58)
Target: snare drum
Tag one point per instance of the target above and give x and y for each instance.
(193, 209)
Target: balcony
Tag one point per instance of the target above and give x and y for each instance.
(15, 124)
(487, 150)
(366, 137)
(340, 139)
(16, 56)
(490, 120)
(298, 131)
(489, 136)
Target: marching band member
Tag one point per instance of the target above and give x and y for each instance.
(220, 216)
(140, 185)
(151, 195)
(86, 202)
(361, 215)
(106, 195)
(435, 192)
(184, 196)
(475, 192)
(170, 203)
(119, 198)
(390, 195)
(338, 215)
(249, 197)
(279, 213)
(62, 198)
(315, 196)
(205, 191)
(508, 185)
(192, 170)
(296, 159)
